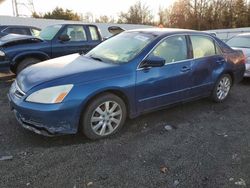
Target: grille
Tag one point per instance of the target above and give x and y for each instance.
(16, 90)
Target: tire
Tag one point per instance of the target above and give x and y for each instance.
(99, 123)
(222, 88)
(26, 63)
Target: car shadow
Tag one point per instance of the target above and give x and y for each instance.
(245, 81)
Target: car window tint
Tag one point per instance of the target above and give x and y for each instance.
(93, 33)
(21, 31)
(172, 49)
(202, 46)
(76, 33)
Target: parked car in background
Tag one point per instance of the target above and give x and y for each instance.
(19, 29)
(19, 51)
(242, 42)
(129, 74)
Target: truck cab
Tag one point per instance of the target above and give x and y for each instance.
(18, 52)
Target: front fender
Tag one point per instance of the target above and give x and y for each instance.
(38, 54)
(127, 94)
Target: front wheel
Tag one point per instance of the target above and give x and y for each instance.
(222, 88)
(104, 116)
(26, 63)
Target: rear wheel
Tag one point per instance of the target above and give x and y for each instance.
(104, 116)
(26, 63)
(222, 88)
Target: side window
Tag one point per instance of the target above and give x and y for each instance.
(172, 49)
(202, 46)
(15, 30)
(93, 33)
(76, 33)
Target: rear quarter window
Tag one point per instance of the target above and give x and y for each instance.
(94, 33)
(223, 46)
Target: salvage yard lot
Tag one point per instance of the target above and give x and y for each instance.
(208, 147)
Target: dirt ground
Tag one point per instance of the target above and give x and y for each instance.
(209, 147)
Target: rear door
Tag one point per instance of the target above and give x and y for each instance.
(78, 42)
(169, 84)
(207, 60)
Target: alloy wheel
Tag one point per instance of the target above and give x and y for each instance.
(223, 88)
(106, 118)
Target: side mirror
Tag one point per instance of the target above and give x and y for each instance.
(114, 30)
(153, 61)
(64, 38)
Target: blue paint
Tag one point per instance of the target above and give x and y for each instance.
(145, 89)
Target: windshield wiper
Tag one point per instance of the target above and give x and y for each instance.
(96, 58)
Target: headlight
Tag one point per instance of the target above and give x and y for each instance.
(2, 53)
(50, 95)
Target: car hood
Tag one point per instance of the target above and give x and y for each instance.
(13, 39)
(72, 69)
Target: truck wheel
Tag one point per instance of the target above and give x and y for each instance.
(26, 63)
(222, 88)
(104, 116)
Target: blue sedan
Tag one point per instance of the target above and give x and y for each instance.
(132, 73)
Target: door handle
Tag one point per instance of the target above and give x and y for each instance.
(220, 61)
(185, 69)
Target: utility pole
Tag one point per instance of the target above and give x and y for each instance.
(26, 5)
(14, 7)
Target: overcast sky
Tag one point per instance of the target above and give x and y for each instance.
(96, 7)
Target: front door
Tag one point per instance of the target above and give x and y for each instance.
(159, 86)
(78, 42)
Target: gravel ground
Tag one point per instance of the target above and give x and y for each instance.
(209, 146)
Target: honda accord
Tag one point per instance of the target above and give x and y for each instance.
(132, 73)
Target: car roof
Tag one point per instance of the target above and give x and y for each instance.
(166, 31)
(63, 24)
(244, 34)
(23, 26)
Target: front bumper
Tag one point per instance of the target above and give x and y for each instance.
(46, 119)
(32, 126)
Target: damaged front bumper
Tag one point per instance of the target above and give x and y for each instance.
(33, 126)
(46, 119)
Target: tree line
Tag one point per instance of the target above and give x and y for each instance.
(189, 14)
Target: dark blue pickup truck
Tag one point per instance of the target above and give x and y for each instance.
(19, 51)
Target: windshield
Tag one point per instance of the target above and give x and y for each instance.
(49, 32)
(121, 48)
(240, 42)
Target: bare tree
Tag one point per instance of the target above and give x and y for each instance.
(137, 14)
(105, 19)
